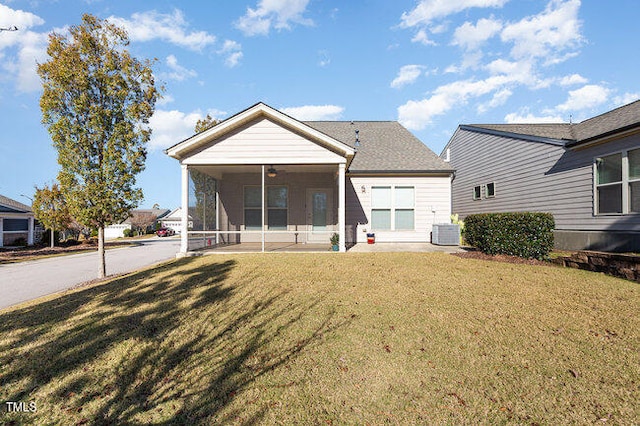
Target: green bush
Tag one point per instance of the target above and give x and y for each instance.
(523, 234)
(127, 233)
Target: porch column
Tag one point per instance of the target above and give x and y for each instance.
(184, 233)
(1, 232)
(30, 234)
(263, 197)
(341, 207)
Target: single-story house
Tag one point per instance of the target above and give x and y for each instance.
(262, 177)
(16, 223)
(174, 221)
(586, 174)
(116, 230)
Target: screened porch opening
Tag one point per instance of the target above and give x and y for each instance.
(271, 207)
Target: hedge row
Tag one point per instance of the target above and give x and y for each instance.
(528, 235)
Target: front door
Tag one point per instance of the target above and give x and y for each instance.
(319, 208)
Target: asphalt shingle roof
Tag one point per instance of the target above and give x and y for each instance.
(610, 122)
(13, 205)
(385, 146)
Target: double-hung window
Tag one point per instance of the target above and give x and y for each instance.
(277, 208)
(617, 183)
(392, 208)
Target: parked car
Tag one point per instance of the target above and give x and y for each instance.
(165, 232)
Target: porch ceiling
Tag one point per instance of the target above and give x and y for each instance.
(218, 170)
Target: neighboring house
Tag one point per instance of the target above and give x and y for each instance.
(278, 179)
(586, 174)
(174, 221)
(16, 223)
(117, 230)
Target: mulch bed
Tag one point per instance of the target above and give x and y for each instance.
(472, 254)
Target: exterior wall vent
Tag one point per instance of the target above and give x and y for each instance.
(445, 234)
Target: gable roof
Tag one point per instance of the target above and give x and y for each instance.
(7, 205)
(623, 119)
(385, 146)
(186, 147)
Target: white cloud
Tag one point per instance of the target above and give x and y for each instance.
(626, 98)
(324, 58)
(499, 98)
(169, 27)
(570, 80)
(314, 112)
(178, 72)
(429, 10)
(279, 14)
(423, 38)
(171, 127)
(408, 74)
(528, 118)
(588, 96)
(233, 52)
(471, 36)
(21, 50)
(546, 35)
(164, 100)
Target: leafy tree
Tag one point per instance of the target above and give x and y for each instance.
(50, 208)
(204, 186)
(96, 103)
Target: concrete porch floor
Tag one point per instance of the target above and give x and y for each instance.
(317, 248)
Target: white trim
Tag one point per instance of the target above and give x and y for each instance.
(1, 232)
(341, 207)
(182, 149)
(184, 238)
(263, 202)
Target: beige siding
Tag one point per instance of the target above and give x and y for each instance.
(232, 202)
(432, 205)
(532, 176)
(264, 142)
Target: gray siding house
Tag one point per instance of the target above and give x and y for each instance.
(586, 174)
(16, 223)
(262, 177)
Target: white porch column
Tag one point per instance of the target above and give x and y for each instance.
(184, 233)
(341, 207)
(30, 235)
(1, 232)
(263, 197)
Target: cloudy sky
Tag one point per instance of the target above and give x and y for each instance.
(430, 64)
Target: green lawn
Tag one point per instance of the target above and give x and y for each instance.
(377, 338)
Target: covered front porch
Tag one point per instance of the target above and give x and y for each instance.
(274, 207)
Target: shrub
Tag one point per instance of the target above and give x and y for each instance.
(524, 234)
(127, 233)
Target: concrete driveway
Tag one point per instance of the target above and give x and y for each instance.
(24, 281)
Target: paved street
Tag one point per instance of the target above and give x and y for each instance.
(24, 281)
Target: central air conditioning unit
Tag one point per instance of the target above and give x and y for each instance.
(445, 234)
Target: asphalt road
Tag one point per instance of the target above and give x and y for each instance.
(24, 281)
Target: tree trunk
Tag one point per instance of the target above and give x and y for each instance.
(53, 241)
(102, 271)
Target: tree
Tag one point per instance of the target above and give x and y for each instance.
(204, 186)
(140, 221)
(96, 103)
(50, 208)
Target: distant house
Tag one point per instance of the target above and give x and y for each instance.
(586, 174)
(267, 177)
(117, 230)
(16, 223)
(174, 221)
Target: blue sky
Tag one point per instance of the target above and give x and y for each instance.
(430, 64)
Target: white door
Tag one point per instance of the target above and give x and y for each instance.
(319, 208)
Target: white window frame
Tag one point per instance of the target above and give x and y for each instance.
(486, 190)
(393, 208)
(477, 195)
(625, 182)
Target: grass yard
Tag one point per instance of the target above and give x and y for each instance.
(377, 338)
